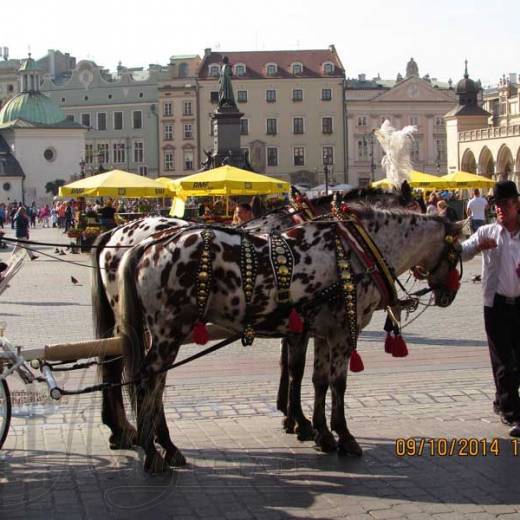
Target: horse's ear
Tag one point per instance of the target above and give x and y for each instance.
(455, 228)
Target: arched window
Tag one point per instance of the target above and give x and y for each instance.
(296, 68)
(214, 70)
(240, 69)
(271, 69)
(328, 67)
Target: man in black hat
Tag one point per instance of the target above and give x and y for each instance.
(500, 247)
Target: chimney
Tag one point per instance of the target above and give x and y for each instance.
(332, 48)
(6, 53)
(513, 78)
(362, 77)
(207, 51)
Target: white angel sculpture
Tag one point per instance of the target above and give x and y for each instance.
(397, 145)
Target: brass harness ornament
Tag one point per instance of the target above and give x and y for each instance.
(204, 274)
(248, 272)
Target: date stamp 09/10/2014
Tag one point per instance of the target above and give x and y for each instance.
(456, 447)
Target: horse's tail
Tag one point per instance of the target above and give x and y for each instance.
(102, 313)
(131, 319)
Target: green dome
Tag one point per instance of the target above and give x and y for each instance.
(34, 107)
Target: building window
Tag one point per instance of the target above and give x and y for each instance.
(328, 68)
(299, 156)
(328, 155)
(143, 170)
(240, 70)
(362, 121)
(439, 121)
(213, 96)
(242, 96)
(440, 150)
(118, 120)
(183, 70)
(297, 68)
(270, 95)
(362, 150)
(244, 127)
(326, 94)
(271, 126)
(168, 109)
(85, 120)
(214, 71)
(89, 153)
(188, 159)
(415, 154)
(187, 108)
(70, 117)
(103, 150)
(297, 125)
(169, 165)
(102, 121)
(168, 132)
(272, 156)
(118, 150)
(326, 125)
(271, 69)
(297, 94)
(138, 152)
(414, 120)
(137, 118)
(188, 131)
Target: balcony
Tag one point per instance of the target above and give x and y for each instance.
(494, 132)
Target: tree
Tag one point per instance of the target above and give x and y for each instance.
(54, 187)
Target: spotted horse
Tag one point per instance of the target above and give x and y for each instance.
(251, 283)
(105, 296)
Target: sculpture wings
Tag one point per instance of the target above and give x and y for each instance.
(397, 145)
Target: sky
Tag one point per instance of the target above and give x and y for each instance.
(372, 37)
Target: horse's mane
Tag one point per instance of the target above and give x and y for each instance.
(363, 196)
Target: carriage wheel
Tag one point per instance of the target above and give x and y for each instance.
(5, 411)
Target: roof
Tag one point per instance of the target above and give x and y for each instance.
(255, 62)
(9, 165)
(467, 110)
(33, 107)
(28, 64)
(378, 83)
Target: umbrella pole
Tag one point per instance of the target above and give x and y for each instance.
(227, 206)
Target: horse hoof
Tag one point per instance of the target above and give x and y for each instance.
(326, 442)
(175, 459)
(305, 431)
(349, 448)
(288, 425)
(155, 464)
(124, 440)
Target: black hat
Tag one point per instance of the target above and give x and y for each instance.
(505, 190)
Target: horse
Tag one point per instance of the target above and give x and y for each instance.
(159, 294)
(110, 248)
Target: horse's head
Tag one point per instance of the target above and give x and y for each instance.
(440, 271)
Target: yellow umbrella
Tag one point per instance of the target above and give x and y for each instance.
(228, 180)
(417, 180)
(115, 183)
(168, 183)
(463, 180)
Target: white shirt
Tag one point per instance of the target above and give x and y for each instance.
(478, 206)
(499, 265)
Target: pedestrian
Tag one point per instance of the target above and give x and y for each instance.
(243, 214)
(500, 247)
(476, 210)
(443, 210)
(21, 225)
(2, 215)
(431, 208)
(69, 216)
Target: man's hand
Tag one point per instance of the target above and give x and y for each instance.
(486, 243)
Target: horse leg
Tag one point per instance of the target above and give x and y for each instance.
(283, 387)
(320, 379)
(124, 435)
(148, 407)
(173, 456)
(297, 349)
(347, 444)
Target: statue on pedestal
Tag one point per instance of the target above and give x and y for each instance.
(226, 99)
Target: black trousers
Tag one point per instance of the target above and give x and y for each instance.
(502, 322)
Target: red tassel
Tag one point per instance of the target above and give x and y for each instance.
(199, 333)
(453, 282)
(295, 322)
(356, 363)
(400, 349)
(344, 208)
(389, 343)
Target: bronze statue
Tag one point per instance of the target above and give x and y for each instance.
(226, 99)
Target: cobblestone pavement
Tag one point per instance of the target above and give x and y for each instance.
(221, 412)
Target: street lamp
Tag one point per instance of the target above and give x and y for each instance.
(372, 162)
(100, 158)
(326, 172)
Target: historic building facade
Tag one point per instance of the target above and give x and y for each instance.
(407, 100)
(119, 111)
(179, 137)
(486, 140)
(38, 145)
(293, 105)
